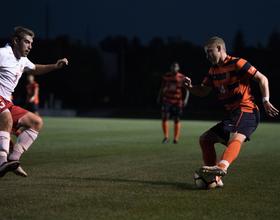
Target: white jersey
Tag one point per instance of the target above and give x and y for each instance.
(11, 70)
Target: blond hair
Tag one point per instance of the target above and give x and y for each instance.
(216, 41)
(20, 32)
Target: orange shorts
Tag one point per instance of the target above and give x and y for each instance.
(16, 111)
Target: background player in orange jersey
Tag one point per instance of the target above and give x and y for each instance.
(174, 98)
(230, 76)
(32, 99)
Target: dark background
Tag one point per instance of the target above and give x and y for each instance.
(118, 52)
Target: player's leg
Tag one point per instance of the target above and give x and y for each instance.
(177, 112)
(12, 143)
(16, 133)
(245, 124)
(207, 141)
(36, 109)
(165, 126)
(5, 128)
(231, 152)
(32, 124)
(177, 128)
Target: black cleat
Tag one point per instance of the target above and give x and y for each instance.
(175, 142)
(165, 140)
(8, 166)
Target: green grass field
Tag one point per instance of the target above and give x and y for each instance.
(84, 168)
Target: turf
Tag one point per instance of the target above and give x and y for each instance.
(84, 168)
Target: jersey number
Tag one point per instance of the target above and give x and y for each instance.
(223, 89)
(2, 104)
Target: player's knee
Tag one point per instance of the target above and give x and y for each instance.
(206, 136)
(38, 123)
(202, 137)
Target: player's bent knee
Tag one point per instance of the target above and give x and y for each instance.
(203, 136)
(208, 136)
(39, 122)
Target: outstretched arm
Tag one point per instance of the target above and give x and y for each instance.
(41, 69)
(263, 83)
(198, 90)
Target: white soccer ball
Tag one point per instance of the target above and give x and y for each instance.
(207, 182)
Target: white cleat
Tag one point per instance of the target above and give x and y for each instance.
(211, 170)
(220, 184)
(20, 172)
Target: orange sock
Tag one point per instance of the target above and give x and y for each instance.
(177, 127)
(16, 133)
(165, 128)
(12, 145)
(208, 153)
(230, 153)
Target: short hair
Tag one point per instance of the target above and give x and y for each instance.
(175, 62)
(20, 32)
(216, 41)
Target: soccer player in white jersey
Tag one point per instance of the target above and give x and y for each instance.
(13, 62)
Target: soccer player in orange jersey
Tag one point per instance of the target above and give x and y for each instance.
(172, 95)
(230, 76)
(32, 100)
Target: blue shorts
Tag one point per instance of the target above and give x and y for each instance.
(175, 110)
(240, 122)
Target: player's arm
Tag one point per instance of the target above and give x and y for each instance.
(160, 94)
(36, 93)
(264, 87)
(186, 95)
(198, 90)
(41, 69)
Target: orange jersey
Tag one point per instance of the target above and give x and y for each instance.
(172, 91)
(232, 83)
(31, 91)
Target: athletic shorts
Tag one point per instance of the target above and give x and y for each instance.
(17, 112)
(240, 122)
(174, 110)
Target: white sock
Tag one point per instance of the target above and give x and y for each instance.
(24, 140)
(3, 157)
(4, 146)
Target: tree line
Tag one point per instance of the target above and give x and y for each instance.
(85, 84)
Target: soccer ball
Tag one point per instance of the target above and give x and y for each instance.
(207, 182)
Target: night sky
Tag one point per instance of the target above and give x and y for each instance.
(195, 21)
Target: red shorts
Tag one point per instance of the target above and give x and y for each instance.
(17, 112)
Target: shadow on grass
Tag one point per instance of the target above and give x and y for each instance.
(179, 186)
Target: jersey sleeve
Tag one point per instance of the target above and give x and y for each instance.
(245, 69)
(208, 80)
(28, 65)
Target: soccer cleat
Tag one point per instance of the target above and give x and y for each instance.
(20, 172)
(211, 170)
(175, 142)
(165, 140)
(8, 166)
(220, 184)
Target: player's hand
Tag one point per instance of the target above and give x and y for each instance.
(61, 62)
(32, 99)
(270, 109)
(186, 82)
